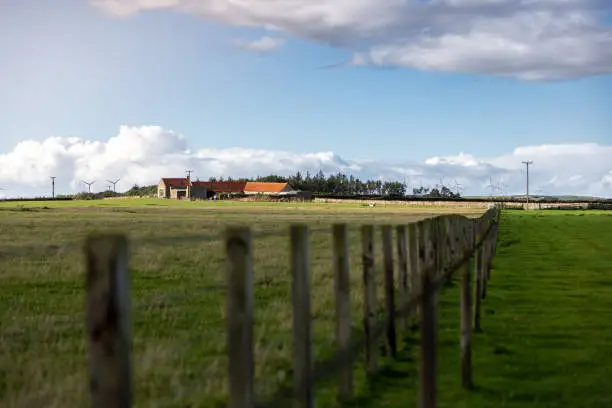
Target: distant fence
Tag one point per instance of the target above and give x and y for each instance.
(428, 252)
(477, 204)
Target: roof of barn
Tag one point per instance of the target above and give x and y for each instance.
(261, 187)
(221, 186)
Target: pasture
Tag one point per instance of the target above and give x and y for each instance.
(546, 339)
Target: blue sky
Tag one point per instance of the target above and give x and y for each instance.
(74, 70)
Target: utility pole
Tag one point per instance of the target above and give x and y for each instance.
(188, 187)
(52, 186)
(527, 164)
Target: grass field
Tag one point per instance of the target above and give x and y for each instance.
(547, 342)
(179, 335)
(547, 338)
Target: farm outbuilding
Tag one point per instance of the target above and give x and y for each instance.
(185, 189)
(180, 189)
(268, 188)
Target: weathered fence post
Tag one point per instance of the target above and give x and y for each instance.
(343, 309)
(300, 290)
(466, 312)
(423, 263)
(387, 240)
(413, 261)
(239, 303)
(428, 361)
(402, 260)
(478, 267)
(485, 262)
(369, 296)
(447, 243)
(108, 321)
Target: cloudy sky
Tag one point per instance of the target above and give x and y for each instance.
(393, 89)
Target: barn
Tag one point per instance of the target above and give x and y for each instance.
(217, 189)
(252, 187)
(184, 189)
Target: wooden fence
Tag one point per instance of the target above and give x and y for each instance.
(428, 252)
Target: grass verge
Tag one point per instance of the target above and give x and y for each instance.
(547, 338)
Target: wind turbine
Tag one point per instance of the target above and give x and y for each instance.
(88, 185)
(441, 185)
(491, 187)
(114, 183)
(458, 188)
(503, 187)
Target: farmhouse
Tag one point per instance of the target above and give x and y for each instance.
(185, 189)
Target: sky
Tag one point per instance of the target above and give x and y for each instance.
(426, 91)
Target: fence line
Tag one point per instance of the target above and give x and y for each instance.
(428, 254)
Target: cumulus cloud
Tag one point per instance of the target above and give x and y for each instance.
(142, 155)
(263, 44)
(525, 39)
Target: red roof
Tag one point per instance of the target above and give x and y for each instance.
(255, 187)
(221, 186)
(228, 186)
(175, 182)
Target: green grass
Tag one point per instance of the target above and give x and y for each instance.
(547, 338)
(178, 326)
(547, 341)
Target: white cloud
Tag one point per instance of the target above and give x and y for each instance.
(525, 39)
(263, 44)
(142, 155)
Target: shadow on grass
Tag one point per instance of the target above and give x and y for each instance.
(509, 395)
(399, 373)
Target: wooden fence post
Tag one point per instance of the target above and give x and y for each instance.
(496, 235)
(413, 260)
(446, 242)
(343, 308)
(428, 361)
(485, 264)
(300, 288)
(477, 275)
(436, 239)
(422, 264)
(402, 260)
(466, 314)
(387, 240)
(108, 321)
(492, 246)
(239, 304)
(369, 296)
(449, 240)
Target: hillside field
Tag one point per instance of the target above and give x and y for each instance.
(546, 343)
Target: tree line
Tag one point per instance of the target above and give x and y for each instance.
(338, 184)
(349, 185)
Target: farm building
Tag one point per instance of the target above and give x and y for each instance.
(180, 189)
(268, 188)
(183, 188)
